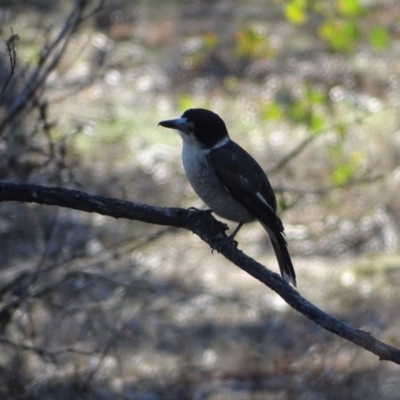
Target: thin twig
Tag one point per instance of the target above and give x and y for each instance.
(40, 351)
(304, 144)
(12, 54)
(49, 59)
(326, 189)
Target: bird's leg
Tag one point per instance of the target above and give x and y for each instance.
(230, 239)
(233, 234)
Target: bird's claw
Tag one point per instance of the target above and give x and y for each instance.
(222, 241)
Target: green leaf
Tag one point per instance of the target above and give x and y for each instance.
(272, 111)
(299, 111)
(350, 8)
(317, 123)
(342, 175)
(346, 171)
(253, 42)
(379, 38)
(296, 12)
(185, 102)
(316, 96)
(341, 35)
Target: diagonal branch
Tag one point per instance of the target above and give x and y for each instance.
(208, 229)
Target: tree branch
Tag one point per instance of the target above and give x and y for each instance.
(208, 229)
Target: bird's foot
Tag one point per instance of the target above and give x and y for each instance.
(222, 241)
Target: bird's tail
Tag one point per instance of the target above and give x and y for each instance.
(282, 255)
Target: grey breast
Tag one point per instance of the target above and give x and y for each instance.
(209, 188)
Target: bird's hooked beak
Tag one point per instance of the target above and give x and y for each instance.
(179, 124)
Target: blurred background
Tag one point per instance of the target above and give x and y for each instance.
(96, 308)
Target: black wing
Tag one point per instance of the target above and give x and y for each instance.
(245, 180)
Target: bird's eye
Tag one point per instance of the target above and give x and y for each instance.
(190, 126)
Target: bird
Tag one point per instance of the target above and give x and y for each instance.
(229, 180)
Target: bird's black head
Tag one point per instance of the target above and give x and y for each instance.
(199, 127)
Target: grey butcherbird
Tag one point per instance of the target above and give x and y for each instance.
(228, 179)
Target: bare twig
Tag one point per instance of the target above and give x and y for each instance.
(110, 343)
(326, 189)
(305, 143)
(48, 60)
(40, 351)
(12, 55)
(294, 153)
(208, 229)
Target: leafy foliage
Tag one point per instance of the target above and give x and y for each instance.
(342, 23)
(379, 37)
(252, 41)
